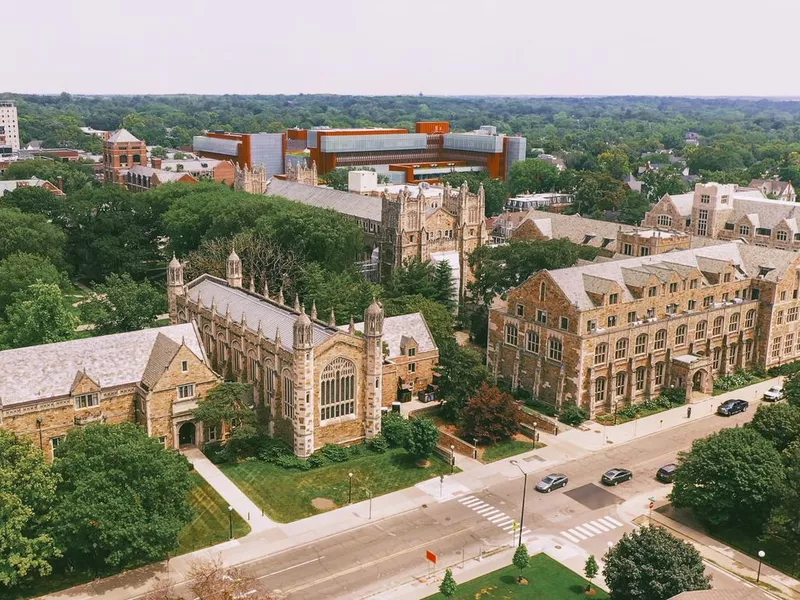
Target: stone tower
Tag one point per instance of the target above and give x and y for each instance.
(175, 287)
(373, 336)
(711, 206)
(301, 173)
(252, 181)
(234, 269)
(303, 422)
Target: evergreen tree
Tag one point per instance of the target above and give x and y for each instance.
(449, 586)
(444, 290)
(521, 559)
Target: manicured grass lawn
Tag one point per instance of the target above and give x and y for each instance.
(506, 448)
(547, 580)
(210, 525)
(286, 494)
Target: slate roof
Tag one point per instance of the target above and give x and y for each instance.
(48, 371)
(769, 213)
(255, 308)
(412, 325)
(123, 135)
(12, 184)
(355, 205)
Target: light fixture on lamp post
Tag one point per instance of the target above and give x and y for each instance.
(761, 555)
(350, 489)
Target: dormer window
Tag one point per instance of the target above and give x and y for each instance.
(782, 236)
(744, 230)
(613, 298)
(87, 400)
(673, 288)
(411, 352)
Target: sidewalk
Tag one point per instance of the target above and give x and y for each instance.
(246, 508)
(733, 561)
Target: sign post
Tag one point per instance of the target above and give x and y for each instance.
(431, 561)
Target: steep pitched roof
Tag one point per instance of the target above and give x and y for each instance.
(49, 371)
(164, 350)
(123, 135)
(396, 328)
(355, 205)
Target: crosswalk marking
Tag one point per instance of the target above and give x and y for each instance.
(584, 531)
(570, 537)
(466, 499)
(497, 518)
(592, 528)
(479, 506)
(485, 510)
(509, 526)
(600, 526)
(473, 502)
(578, 534)
(614, 521)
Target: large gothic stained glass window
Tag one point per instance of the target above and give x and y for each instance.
(338, 389)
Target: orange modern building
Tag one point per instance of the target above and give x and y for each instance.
(245, 149)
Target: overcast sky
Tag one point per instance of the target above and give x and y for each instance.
(542, 47)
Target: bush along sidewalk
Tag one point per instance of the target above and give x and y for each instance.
(666, 400)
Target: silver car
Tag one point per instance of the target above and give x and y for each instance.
(552, 482)
(773, 394)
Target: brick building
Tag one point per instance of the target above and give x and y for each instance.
(724, 212)
(151, 377)
(615, 332)
(121, 151)
(322, 383)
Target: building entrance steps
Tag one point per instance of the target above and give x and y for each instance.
(246, 508)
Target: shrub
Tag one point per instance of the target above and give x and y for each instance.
(395, 429)
(738, 379)
(378, 444)
(540, 406)
(491, 415)
(572, 414)
(216, 453)
(335, 453)
(422, 438)
(271, 454)
(316, 460)
(290, 461)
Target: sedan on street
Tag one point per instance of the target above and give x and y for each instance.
(552, 482)
(732, 407)
(666, 474)
(773, 394)
(616, 476)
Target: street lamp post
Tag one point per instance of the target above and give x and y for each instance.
(350, 490)
(230, 522)
(761, 555)
(452, 459)
(534, 434)
(524, 493)
(369, 492)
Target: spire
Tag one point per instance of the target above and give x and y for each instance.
(281, 300)
(313, 310)
(260, 331)
(351, 329)
(332, 320)
(244, 321)
(266, 287)
(277, 338)
(252, 284)
(234, 269)
(297, 302)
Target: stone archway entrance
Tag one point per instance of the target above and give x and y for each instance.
(187, 434)
(698, 381)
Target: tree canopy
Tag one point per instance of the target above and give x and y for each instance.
(121, 304)
(38, 315)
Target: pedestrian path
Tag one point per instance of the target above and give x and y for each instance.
(494, 515)
(235, 498)
(589, 529)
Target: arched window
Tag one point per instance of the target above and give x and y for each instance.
(621, 349)
(700, 330)
(733, 324)
(532, 342)
(600, 389)
(601, 354)
(288, 395)
(641, 344)
(750, 318)
(716, 359)
(641, 374)
(620, 383)
(665, 220)
(680, 335)
(661, 339)
(719, 322)
(269, 383)
(338, 389)
(511, 334)
(555, 349)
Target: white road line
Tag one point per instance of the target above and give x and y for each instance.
(578, 534)
(600, 526)
(308, 562)
(479, 506)
(504, 521)
(466, 499)
(486, 510)
(613, 520)
(570, 537)
(605, 521)
(474, 502)
(593, 529)
(500, 517)
(509, 526)
(491, 513)
(584, 531)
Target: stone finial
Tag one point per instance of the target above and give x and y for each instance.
(277, 337)
(314, 310)
(351, 329)
(260, 331)
(296, 302)
(228, 311)
(244, 321)
(252, 284)
(281, 299)
(266, 287)
(213, 305)
(332, 320)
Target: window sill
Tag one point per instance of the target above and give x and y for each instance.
(337, 420)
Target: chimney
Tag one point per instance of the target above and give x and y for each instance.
(60, 183)
(155, 162)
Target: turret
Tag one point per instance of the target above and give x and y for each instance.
(303, 375)
(234, 269)
(175, 287)
(373, 338)
(303, 331)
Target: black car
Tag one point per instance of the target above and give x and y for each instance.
(666, 474)
(552, 482)
(616, 476)
(732, 407)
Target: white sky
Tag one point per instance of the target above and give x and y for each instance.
(542, 47)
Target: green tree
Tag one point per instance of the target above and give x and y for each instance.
(347, 293)
(596, 193)
(590, 569)
(438, 317)
(614, 162)
(444, 290)
(232, 404)
(521, 560)
(139, 496)
(655, 184)
(633, 208)
(121, 304)
(532, 175)
(38, 315)
(421, 439)
(19, 271)
(491, 415)
(778, 423)
(414, 277)
(650, 564)
(158, 152)
(784, 522)
(76, 176)
(463, 371)
(448, 587)
(730, 477)
(39, 201)
(791, 389)
(31, 234)
(27, 493)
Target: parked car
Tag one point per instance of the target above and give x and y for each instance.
(552, 482)
(616, 476)
(666, 474)
(773, 394)
(732, 407)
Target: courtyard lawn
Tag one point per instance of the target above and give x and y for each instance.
(210, 524)
(547, 580)
(506, 448)
(287, 494)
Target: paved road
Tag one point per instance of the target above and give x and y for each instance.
(376, 559)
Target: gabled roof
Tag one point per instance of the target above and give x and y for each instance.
(123, 135)
(355, 205)
(412, 325)
(49, 371)
(164, 350)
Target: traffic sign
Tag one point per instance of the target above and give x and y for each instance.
(430, 556)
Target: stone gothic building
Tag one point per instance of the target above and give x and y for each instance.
(322, 384)
(252, 181)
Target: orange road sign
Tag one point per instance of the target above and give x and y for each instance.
(430, 556)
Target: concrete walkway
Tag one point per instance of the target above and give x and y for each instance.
(230, 493)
